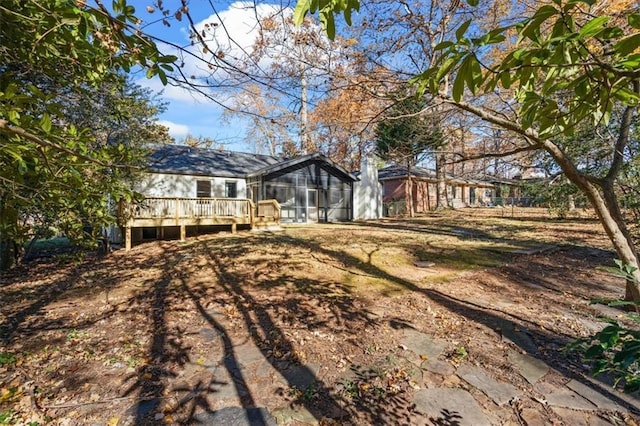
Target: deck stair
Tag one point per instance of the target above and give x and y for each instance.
(267, 215)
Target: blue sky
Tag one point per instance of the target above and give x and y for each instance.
(186, 113)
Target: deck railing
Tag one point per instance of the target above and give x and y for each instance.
(269, 210)
(191, 208)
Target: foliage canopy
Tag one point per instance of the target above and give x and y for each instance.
(68, 126)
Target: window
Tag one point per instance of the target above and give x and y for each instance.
(203, 188)
(231, 189)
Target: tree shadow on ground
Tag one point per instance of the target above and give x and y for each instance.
(427, 227)
(465, 230)
(234, 265)
(27, 319)
(293, 298)
(484, 315)
(315, 305)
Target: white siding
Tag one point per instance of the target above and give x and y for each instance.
(184, 186)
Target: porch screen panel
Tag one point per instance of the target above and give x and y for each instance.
(290, 191)
(339, 204)
(285, 196)
(301, 198)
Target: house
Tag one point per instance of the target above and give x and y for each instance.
(460, 192)
(194, 187)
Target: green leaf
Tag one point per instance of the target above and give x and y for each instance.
(163, 76)
(445, 67)
(165, 59)
(533, 25)
(612, 33)
(458, 85)
(151, 71)
(594, 351)
(475, 75)
(630, 62)
(302, 7)
(14, 116)
(330, 26)
(505, 79)
(347, 16)
(594, 27)
(45, 123)
(473, 3)
(634, 20)
(443, 45)
(627, 44)
(462, 29)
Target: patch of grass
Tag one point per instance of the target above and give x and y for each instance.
(7, 358)
(350, 389)
(7, 417)
(75, 334)
(465, 259)
(304, 395)
(131, 362)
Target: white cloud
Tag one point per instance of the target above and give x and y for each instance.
(176, 130)
(234, 31)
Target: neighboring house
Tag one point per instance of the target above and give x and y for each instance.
(460, 192)
(208, 187)
(514, 191)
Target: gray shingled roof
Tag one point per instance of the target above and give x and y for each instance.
(391, 172)
(398, 172)
(180, 159)
(290, 162)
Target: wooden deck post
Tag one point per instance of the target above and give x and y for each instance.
(233, 228)
(127, 238)
(183, 232)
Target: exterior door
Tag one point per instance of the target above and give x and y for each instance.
(312, 205)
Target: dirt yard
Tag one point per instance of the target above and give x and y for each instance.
(310, 321)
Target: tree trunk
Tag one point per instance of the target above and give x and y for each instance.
(305, 138)
(618, 232)
(8, 246)
(605, 204)
(408, 192)
(441, 195)
(7, 253)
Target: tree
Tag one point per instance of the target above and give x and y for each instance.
(295, 61)
(62, 62)
(344, 120)
(268, 131)
(572, 62)
(406, 137)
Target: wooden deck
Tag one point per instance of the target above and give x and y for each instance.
(182, 212)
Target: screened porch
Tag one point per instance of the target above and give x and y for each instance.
(307, 191)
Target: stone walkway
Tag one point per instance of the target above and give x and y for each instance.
(574, 402)
(459, 399)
